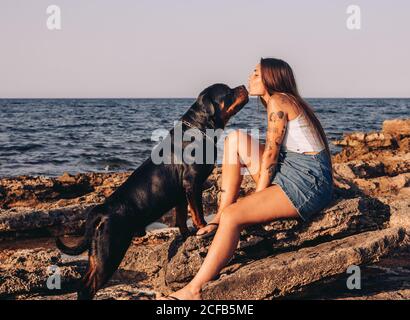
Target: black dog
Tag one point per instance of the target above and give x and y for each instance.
(152, 190)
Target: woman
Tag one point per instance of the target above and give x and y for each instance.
(292, 171)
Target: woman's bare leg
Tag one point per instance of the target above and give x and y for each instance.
(260, 207)
(240, 149)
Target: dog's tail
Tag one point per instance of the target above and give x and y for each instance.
(92, 220)
(73, 251)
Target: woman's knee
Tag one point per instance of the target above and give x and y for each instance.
(231, 217)
(232, 138)
(237, 137)
(237, 142)
(246, 148)
(231, 146)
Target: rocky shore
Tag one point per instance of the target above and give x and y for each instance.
(367, 225)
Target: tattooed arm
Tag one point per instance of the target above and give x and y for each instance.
(277, 120)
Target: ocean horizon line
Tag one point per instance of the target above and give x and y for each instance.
(179, 98)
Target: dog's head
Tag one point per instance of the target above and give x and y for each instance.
(221, 102)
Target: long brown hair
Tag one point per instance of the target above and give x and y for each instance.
(277, 76)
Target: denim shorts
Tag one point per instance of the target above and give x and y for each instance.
(306, 180)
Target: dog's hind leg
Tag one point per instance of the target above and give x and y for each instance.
(181, 215)
(194, 198)
(106, 253)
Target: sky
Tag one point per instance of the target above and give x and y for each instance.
(163, 48)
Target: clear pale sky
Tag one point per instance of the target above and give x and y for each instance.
(163, 48)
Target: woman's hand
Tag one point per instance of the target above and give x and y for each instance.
(276, 128)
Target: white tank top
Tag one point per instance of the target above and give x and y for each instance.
(301, 137)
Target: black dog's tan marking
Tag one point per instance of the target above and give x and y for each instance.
(152, 190)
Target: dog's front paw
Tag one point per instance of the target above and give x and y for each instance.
(186, 233)
(140, 233)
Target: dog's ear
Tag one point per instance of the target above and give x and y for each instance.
(209, 106)
(211, 110)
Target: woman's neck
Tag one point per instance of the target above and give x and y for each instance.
(266, 98)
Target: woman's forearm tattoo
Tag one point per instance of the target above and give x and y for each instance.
(272, 170)
(278, 139)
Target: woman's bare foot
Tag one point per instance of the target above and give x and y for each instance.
(211, 226)
(186, 293)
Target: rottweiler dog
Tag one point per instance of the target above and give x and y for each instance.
(153, 189)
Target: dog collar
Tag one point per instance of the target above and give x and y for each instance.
(195, 127)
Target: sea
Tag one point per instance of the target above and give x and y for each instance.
(47, 137)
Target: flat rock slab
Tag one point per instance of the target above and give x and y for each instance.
(279, 275)
(346, 217)
(387, 279)
(23, 222)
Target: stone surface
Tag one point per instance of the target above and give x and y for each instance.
(28, 270)
(20, 222)
(282, 274)
(346, 217)
(400, 212)
(397, 126)
(387, 279)
(368, 221)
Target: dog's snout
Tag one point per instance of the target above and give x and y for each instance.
(241, 91)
